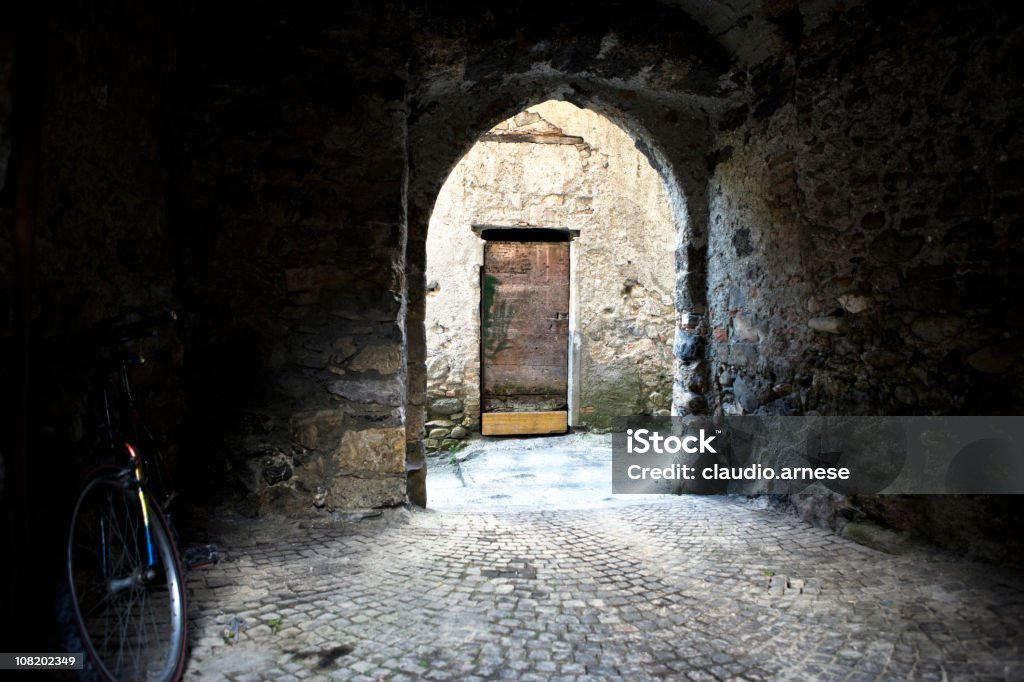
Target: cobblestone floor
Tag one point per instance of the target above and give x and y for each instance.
(693, 588)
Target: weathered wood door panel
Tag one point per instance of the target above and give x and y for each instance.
(525, 335)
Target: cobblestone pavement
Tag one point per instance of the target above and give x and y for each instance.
(693, 588)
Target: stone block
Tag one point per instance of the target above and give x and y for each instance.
(873, 221)
(276, 469)
(381, 359)
(387, 391)
(689, 347)
(416, 487)
(414, 417)
(344, 348)
(855, 303)
(881, 359)
(746, 329)
(374, 306)
(695, 403)
(992, 359)
(877, 537)
(892, 247)
(378, 450)
(414, 457)
(309, 427)
(437, 367)
(936, 328)
(350, 492)
(657, 400)
(307, 436)
(746, 395)
(443, 407)
(828, 325)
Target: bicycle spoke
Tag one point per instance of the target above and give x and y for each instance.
(131, 613)
(121, 637)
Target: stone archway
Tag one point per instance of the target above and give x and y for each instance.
(666, 116)
(553, 173)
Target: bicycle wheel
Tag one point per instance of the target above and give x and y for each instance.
(131, 612)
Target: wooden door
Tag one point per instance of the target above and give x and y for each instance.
(525, 336)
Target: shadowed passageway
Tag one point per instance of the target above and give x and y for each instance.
(838, 231)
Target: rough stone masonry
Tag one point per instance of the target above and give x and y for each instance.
(844, 181)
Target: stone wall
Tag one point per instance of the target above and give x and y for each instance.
(865, 231)
(8, 375)
(92, 132)
(83, 169)
(256, 184)
(556, 165)
(7, 177)
(290, 207)
(865, 222)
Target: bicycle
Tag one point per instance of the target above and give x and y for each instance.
(124, 568)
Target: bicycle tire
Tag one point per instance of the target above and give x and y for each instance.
(133, 621)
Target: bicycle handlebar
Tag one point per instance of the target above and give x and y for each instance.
(138, 329)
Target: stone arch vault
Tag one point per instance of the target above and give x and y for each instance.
(845, 178)
(455, 102)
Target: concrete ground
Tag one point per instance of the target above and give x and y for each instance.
(530, 570)
(522, 474)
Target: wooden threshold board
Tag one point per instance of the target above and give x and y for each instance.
(524, 423)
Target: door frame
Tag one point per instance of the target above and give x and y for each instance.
(528, 233)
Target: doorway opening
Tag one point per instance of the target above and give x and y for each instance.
(524, 336)
(553, 169)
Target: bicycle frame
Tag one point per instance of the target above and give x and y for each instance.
(135, 431)
(136, 463)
